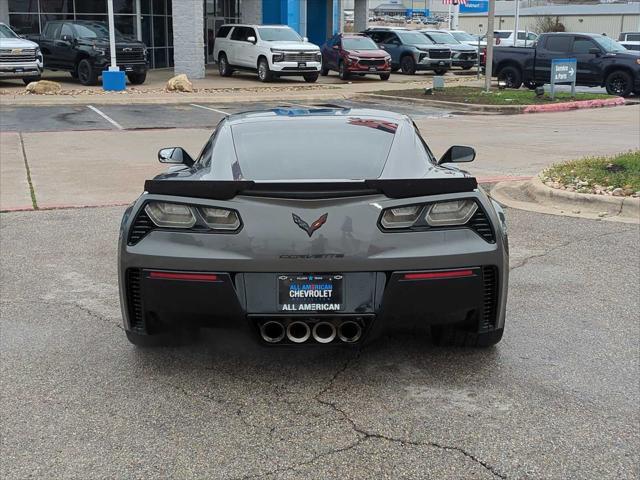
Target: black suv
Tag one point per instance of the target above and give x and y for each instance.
(82, 48)
(411, 51)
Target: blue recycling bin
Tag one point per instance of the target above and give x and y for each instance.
(114, 80)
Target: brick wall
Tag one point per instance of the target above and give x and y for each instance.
(188, 41)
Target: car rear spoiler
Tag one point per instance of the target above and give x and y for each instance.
(392, 188)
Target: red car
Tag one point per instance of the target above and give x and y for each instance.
(353, 54)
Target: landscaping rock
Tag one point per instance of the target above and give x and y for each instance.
(617, 192)
(179, 83)
(44, 87)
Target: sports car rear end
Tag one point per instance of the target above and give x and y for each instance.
(298, 242)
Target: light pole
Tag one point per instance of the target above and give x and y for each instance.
(489, 60)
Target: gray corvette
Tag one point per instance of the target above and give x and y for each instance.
(322, 226)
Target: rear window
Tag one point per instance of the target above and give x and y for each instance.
(633, 37)
(223, 32)
(502, 34)
(313, 149)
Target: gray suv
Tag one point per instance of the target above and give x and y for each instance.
(411, 51)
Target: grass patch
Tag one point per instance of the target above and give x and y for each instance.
(477, 96)
(618, 175)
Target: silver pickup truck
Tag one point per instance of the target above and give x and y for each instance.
(19, 58)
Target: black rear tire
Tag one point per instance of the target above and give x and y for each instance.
(137, 78)
(224, 68)
(264, 72)
(311, 77)
(440, 71)
(28, 80)
(343, 73)
(87, 73)
(394, 69)
(408, 65)
(619, 83)
(446, 336)
(385, 76)
(467, 67)
(324, 72)
(511, 76)
(169, 339)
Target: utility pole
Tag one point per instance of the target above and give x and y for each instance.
(112, 37)
(456, 16)
(489, 59)
(517, 24)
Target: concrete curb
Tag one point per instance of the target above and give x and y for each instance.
(535, 196)
(563, 107)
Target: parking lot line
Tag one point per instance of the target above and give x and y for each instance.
(106, 117)
(209, 108)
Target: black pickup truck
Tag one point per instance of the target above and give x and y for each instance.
(81, 47)
(602, 62)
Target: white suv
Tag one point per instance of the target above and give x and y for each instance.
(270, 50)
(19, 58)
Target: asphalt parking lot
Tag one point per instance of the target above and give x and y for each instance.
(557, 398)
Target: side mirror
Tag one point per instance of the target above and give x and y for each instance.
(175, 155)
(251, 39)
(458, 154)
(66, 38)
(595, 51)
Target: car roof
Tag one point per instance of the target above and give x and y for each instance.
(338, 113)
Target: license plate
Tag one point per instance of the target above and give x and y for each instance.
(372, 69)
(302, 64)
(441, 63)
(310, 293)
(128, 69)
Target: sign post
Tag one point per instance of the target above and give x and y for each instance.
(113, 78)
(563, 71)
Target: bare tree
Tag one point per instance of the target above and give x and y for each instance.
(549, 24)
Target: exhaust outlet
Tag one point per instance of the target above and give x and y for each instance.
(349, 331)
(324, 332)
(298, 332)
(272, 331)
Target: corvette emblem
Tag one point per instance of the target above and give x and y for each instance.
(309, 228)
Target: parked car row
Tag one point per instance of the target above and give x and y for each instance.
(80, 47)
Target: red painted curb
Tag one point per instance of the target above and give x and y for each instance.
(563, 107)
(504, 178)
(16, 209)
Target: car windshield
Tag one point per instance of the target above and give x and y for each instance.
(278, 35)
(95, 30)
(441, 37)
(609, 45)
(413, 38)
(313, 148)
(464, 37)
(6, 32)
(358, 43)
(502, 34)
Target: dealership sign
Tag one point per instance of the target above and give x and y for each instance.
(563, 71)
(475, 6)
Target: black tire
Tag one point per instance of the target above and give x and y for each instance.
(74, 74)
(467, 68)
(384, 76)
(440, 71)
(28, 80)
(224, 68)
(311, 77)
(324, 72)
(446, 336)
(169, 339)
(137, 78)
(619, 83)
(343, 73)
(264, 72)
(533, 85)
(511, 76)
(408, 65)
(87, 73)
(394, 69)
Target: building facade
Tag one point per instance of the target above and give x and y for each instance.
(181, 33)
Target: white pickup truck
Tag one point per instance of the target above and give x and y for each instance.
(270, 50)
(19, 58)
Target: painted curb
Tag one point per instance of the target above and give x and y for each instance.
(563, 107)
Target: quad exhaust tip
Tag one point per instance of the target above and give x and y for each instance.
(298, 332)
(349, 331)
(272, 331)
(324, 332)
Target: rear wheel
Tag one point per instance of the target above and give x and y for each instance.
(511, 76)
(467, 67)
(28, 80)
(264, 72)
(440, 71)
(395, 69)
(408, 65)
(223, 66)
(385, 76)
(619, 83)
(137, 78)
(446, 336)
(343, 73)
(311, 77)
(324, 72)
(87, 73)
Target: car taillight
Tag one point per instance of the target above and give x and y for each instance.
(220, 218)
(170, 215)
(401, 217)
(456, 212)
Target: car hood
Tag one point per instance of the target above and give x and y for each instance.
(368, 53)
(17, 43)
(457, 47)
(429, 46)
(104, 43)
(300, 46)
(628, 55)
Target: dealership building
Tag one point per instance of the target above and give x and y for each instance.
(181, 33)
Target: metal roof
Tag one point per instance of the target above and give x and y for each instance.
(390, 7)
(563, 10)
